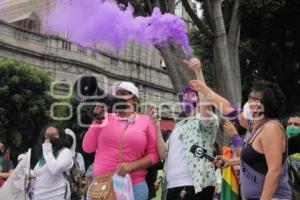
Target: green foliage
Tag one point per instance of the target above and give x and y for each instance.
(269, 46)
(24, 104)
(81, 115)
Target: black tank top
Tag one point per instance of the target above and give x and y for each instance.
(256, 159)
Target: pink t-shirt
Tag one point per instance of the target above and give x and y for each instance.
(139, 140)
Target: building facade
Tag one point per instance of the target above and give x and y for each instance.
(21, 38)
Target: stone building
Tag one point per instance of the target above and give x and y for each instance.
(21, 39)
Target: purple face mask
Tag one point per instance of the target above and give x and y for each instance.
(188, 105)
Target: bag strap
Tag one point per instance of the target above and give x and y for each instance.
(121, 143)
(66, 184)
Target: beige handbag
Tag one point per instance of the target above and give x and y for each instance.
(102, 188)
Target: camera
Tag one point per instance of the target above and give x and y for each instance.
(86, 90)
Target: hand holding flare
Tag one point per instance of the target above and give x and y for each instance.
(194, 64)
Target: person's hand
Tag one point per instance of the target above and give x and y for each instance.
(229, 129)
(197, 85)
(194, 64)
(152, 113)
(98, 113)
(47, 139)
(221, 162)
(125, 168)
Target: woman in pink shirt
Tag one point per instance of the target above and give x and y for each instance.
(138, 141)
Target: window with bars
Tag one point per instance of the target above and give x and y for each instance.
(113, 61)
(81, 49)
(66, 45)
(94, 54)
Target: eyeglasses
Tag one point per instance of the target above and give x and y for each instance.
(254, 98)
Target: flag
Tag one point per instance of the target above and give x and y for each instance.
(230, 186)
(16, 186)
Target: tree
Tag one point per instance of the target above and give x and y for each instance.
(270, 45)
(171, 52)
(223, 29)
(221, 24)
(24, 104)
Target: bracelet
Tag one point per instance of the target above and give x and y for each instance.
(236, 141)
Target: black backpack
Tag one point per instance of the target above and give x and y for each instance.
(77, 181)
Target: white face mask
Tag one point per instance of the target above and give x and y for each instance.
(247, 112)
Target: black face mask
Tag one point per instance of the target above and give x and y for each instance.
(55, 142)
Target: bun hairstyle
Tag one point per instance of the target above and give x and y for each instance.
(273, 99)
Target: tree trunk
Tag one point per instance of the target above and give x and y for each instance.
(171, 6)
(198, 22)
(233, 38)
(226, 56)
(223, 77)
(180, 74)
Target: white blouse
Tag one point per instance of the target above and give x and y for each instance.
(50, 183)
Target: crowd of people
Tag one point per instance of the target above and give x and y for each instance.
(128, 144)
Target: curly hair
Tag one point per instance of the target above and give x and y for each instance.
(273, 99)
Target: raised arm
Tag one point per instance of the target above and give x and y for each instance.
(62, 163)
(205, 107)
(90, 139)
(152, 151)
(223, 105)
(160, 143)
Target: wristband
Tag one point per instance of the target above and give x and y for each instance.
(236, 141)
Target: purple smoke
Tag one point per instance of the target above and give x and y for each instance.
(90, 22)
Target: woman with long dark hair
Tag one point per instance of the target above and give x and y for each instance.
(53, 159)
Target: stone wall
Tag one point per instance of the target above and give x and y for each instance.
(67, 61)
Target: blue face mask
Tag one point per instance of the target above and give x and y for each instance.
(292, 131)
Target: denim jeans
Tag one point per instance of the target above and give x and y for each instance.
(140, 191)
